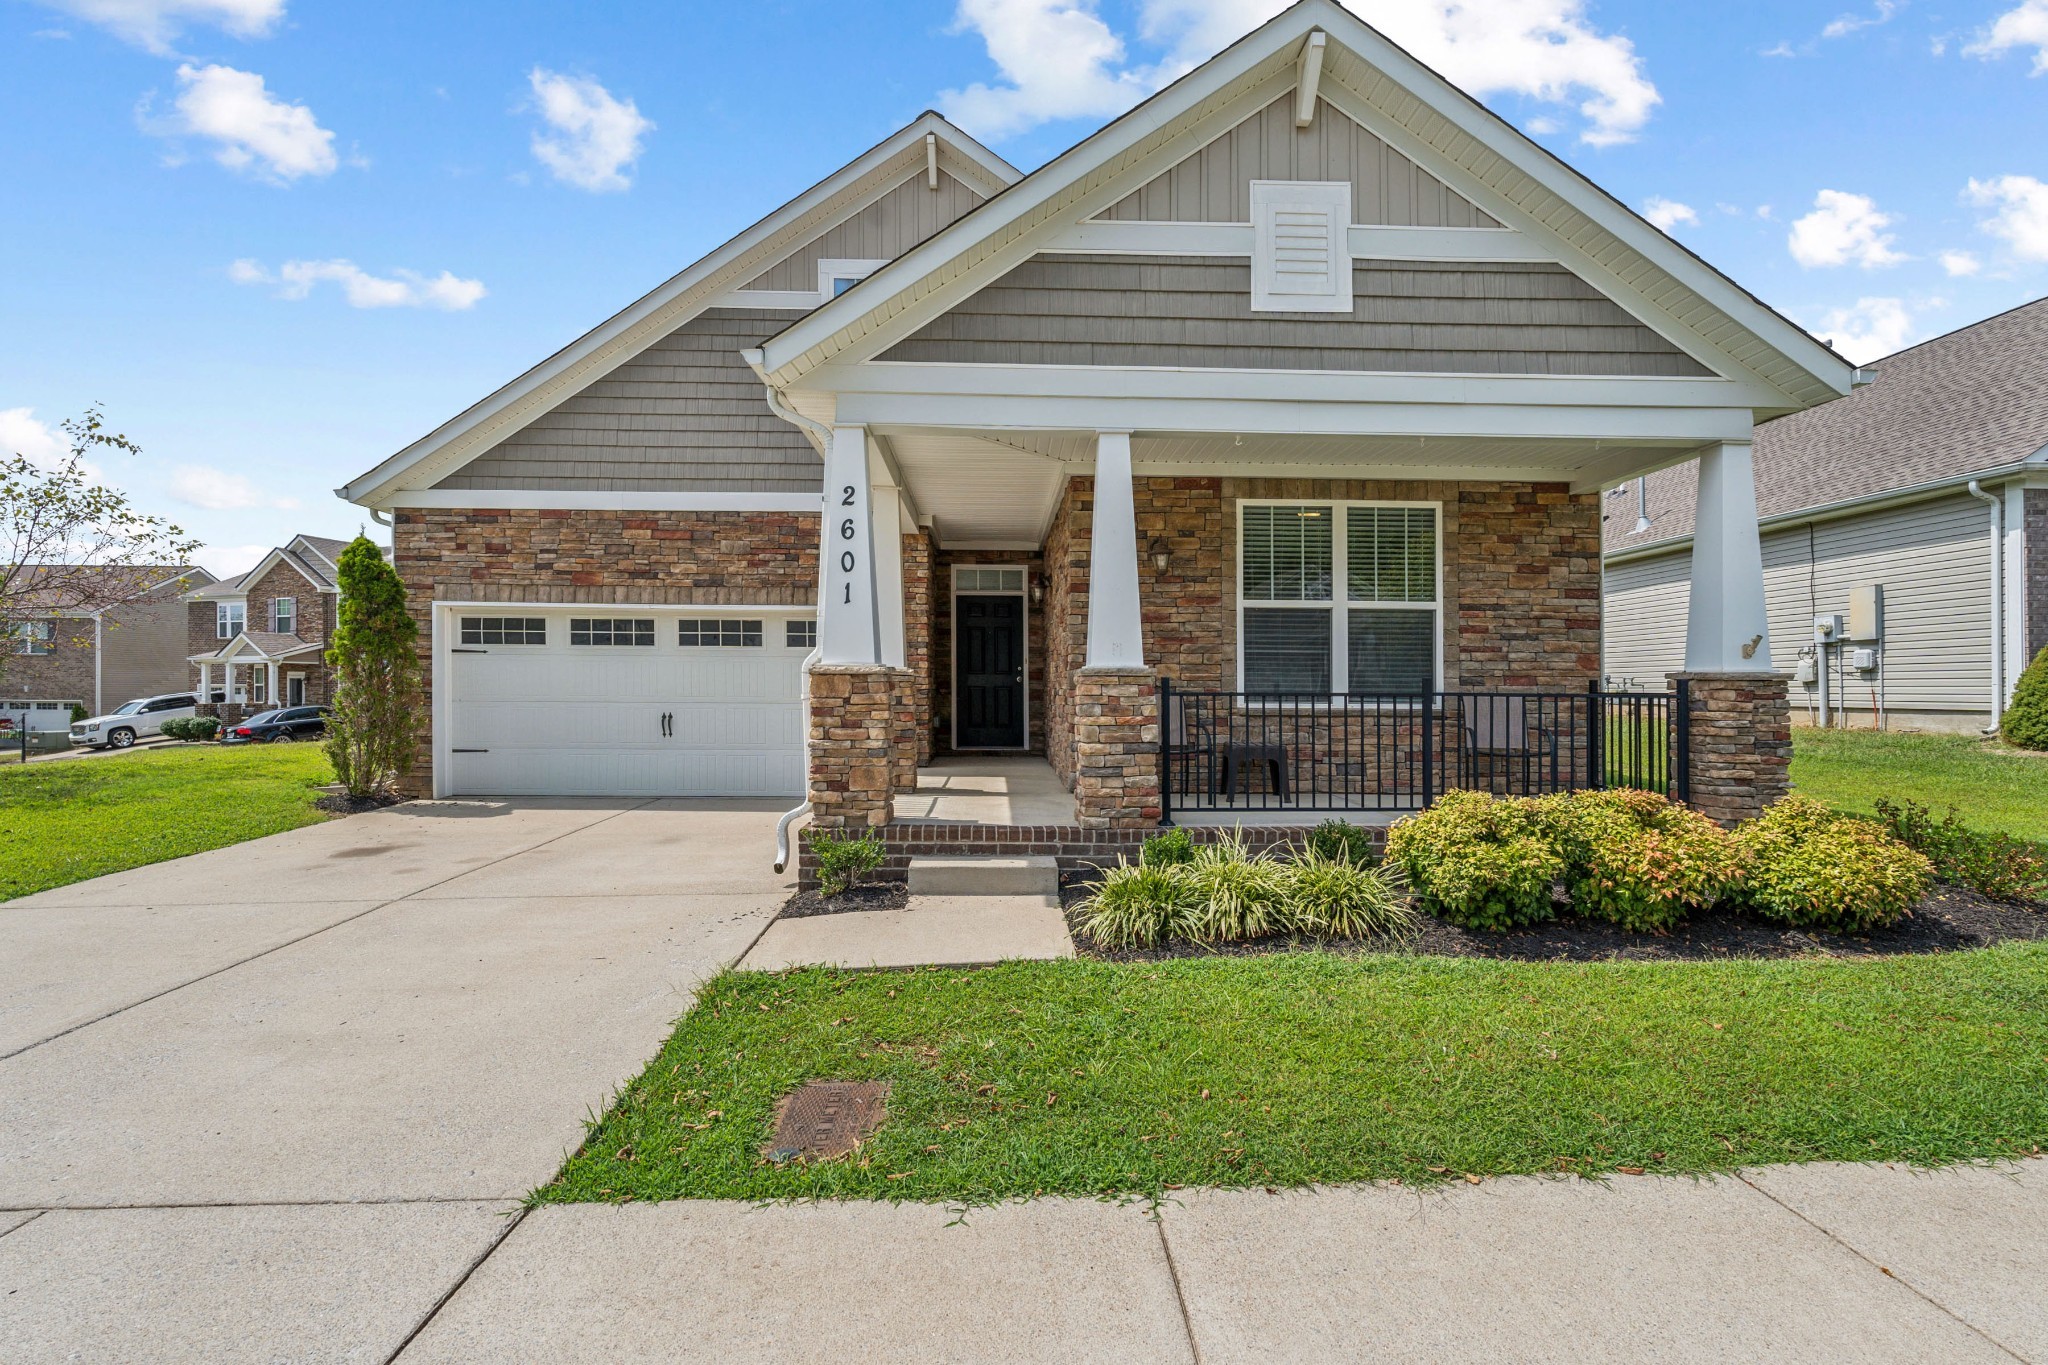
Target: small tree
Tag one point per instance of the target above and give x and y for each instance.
(70, 547)
(2025, 724)
(373, 726)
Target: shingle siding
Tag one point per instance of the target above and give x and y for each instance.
(1213, 185)
(1930, 557)
(684, 415)
(1450, 317)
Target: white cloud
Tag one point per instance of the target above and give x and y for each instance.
(1960, 263)
(1666, 214)
(401, 289)
(22, 434)
(1060, 59)
(2022, 217)
(2024, 26)
(1846, 24)
(252, 129)
(154, 24)
(227, 561)
(216, 490)
(1843, 229)
(595, 137)
(1870, 330)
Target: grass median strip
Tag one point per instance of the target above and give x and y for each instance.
(1997, 789)
(1101, 1078)
(67, 821)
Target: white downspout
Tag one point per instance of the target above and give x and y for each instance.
(823, 435)
(1997, 603)
(99, 658)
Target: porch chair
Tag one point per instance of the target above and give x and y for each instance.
(1493, 731)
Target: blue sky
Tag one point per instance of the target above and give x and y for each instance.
(280, 239)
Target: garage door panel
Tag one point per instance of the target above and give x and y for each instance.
(558, 719)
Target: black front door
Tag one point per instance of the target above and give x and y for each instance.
(988, 695)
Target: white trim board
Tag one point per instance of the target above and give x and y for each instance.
(1367, 243)
(599, 500)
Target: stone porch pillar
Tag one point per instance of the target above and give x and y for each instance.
(855, 736)
(1116, 697)
(1740, 743)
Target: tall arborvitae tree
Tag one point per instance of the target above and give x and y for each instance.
(373, 728)
(2025, 722)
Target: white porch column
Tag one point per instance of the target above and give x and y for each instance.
(1726, 630)
(848, 632)
(888, 537)
(1115, 628)
(270, 684)
(206, 682)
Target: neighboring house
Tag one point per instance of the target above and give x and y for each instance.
(260, 639)
(1874, 491)
(67, 657)
(1296, 388)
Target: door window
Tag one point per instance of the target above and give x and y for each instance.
(603, 630)
(719, 633)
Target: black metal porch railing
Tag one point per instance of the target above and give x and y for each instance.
(1252, 752)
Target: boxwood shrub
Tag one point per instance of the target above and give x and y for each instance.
(1811, 868)
(1635, 859)
(1477, 861)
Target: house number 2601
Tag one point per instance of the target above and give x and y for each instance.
(846, 559)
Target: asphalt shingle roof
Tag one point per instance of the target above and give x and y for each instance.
(1973, 400)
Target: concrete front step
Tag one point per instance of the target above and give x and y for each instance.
(932, 931)
(1030, 875)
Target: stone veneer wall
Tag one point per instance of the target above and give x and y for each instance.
(2037, 573)
(917, 638)
(597, 558)
(942, 643)
(1116, 748)
(1740, 741)
(857, 736)
(1521, 582)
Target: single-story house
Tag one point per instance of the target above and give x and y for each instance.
(259, 639)
(1244, 461)
(96, 637)
(1905, 538)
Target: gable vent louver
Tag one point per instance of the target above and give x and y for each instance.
(1301, 257)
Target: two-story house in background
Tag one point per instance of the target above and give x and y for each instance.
(68, 656)
(260, 639)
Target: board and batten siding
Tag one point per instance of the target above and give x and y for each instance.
(685, 415)
(882, 231)
(1214, 184)
(1195, 312)
(1931, 558)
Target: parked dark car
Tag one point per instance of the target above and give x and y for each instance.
(272, 727)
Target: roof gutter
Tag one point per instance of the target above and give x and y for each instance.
(1830, 511)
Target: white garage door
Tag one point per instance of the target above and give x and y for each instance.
(569, 702)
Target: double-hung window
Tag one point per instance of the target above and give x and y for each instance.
(227, 619)
(1339, 599)
(34, 637)
(284, 615)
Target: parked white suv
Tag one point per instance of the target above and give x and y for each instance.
(135, 720)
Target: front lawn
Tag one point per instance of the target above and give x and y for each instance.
(1998, 790)
(1099, 1078)
(66, 821)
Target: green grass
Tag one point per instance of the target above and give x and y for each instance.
(67, 821)
(1092, 1078)
(1997, 789)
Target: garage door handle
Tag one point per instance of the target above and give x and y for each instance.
(469, 651)
(469, 751)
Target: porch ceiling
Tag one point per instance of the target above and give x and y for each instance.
(991, 488)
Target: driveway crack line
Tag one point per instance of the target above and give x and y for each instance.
(1180, 1297)
(1884, 1270)
(460, 1280)
(24, 1222)
(280, 947)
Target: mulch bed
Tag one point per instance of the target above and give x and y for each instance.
(1951, 918)
(871, 896)
(341, 803)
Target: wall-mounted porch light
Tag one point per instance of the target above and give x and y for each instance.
(1037, 589)
(1161, 552)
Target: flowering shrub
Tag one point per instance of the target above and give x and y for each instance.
(1635, 859)
(1477, 861)
(1995, 865)
(1814, 869)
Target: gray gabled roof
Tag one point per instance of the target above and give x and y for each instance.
(1967, 403)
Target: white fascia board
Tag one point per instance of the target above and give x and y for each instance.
(1833, 511)
(1263, 59)
(914, 378)
(269, 562)
(598, 500)
(681, 297)
(1454, 110)
(1296, 416)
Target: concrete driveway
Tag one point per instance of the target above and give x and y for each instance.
(272, 1102)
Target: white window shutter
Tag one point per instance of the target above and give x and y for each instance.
(1301, 248)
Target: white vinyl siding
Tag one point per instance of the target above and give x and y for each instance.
(1931, 557)
(1301, 256)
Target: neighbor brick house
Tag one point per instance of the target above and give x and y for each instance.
(63, 655)
(259, 639)
(1241, 463)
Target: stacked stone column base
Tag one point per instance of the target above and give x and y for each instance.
(1116, 747)
(856, 730)
(1741, 743)
(903, 757)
